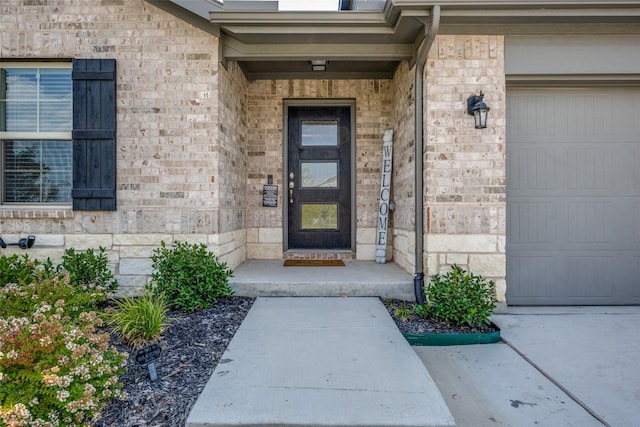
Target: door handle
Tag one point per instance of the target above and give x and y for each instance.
(291, 185)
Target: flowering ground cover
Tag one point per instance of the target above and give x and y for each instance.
(56, 366)
(65, 359)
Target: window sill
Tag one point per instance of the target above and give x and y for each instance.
(36, 212)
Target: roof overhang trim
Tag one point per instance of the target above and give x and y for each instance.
(372, 43)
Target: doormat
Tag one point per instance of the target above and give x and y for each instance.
(314, 263)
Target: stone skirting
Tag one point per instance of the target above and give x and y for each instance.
(130, 254)
(482, 254)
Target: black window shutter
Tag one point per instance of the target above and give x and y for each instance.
(94, 135)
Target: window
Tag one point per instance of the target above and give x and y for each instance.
(35, 134)
(58, 134)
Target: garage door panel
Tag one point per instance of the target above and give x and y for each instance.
(635, 108)
(532, 168)
(592, 272)
(532, 222)
(607, 224)
(605, 279)
(557, 169)
(566, 115)
(589, 168)
(634, 266)
(573, 196)
(636, 233)
(590, 222)
(636, 169)
(537, 274)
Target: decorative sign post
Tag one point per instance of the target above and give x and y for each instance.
(385, 190)
(147, 356)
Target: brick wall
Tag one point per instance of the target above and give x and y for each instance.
(196, 143)
(465, 167)
(232, 162)
(265, 153)
(403, 183)
(169, 159)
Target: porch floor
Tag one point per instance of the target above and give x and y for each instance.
(356, 279)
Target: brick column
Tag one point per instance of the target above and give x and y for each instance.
(465, 167)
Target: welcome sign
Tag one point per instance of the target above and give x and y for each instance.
(385, 194)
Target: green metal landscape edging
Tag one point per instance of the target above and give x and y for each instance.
(452, 339)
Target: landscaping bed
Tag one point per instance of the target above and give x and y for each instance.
(191, 349)
(419, 330)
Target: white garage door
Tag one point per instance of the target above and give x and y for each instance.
(573, 196)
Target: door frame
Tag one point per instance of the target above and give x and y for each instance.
(351, 103)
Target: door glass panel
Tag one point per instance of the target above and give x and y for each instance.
(319, 216)
(319, 133)
(319, 174)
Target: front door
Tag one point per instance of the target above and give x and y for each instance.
(319, 177)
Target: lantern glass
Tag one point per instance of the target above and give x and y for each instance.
(480, 116)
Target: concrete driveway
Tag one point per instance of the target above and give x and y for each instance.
(576, 366)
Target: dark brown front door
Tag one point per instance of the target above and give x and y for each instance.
(319, 177)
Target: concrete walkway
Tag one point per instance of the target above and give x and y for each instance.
(342, 362)
(319, 362)
(575, 366)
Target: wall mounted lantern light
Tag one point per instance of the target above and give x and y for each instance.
(478, 109)
(319, 64)
(25, 243)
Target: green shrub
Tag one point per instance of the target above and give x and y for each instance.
(89, 270)
(55, 370)
(189, 276)
(23, 300)
(140, 320)
(21, 269)
(460, 298)
(422, 310)
(83, 281)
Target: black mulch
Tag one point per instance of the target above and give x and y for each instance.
(410, 323)
(191, 349)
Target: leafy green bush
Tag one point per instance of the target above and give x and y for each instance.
(460, 297)
(21, 269)
(140, 320)
(89, 270)
(87, 284)
(23, 300)
(53, 367)
(189, 276)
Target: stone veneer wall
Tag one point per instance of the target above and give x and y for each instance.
(465, 167)
(265, 151)
(169, 160)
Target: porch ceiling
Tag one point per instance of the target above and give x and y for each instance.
(359, 44)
